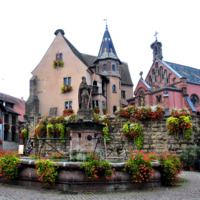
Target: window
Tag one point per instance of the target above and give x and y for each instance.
(104, 68)
(195, 100)
(67, 81)
(68, 104)
(13, 119)
(9, 105)
(114, 109)
(59, 56)
(6, 118)
(114, 88)
(113, 68)
(159, 99)
(6, 135)
(123, 94)
(174, 80)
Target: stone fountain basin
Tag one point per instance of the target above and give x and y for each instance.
(71, 178)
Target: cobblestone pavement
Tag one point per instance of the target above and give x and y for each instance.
(188, 189)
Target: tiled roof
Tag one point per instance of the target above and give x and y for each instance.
(125, 75)
(89, 59)
(107, 49)
(75, 51)
(19, 105)
(192, 74)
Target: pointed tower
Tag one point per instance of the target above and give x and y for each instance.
(109, 65)
(107, 49)
(157, 50)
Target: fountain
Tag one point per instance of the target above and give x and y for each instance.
(85, 135)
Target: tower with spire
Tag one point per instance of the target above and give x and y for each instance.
(108, 64)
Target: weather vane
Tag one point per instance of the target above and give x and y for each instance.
(156, 33)
(106, 23)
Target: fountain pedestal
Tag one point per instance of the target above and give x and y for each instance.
(85, 135)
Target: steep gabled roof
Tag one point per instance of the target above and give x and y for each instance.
(75, 51)
(19, 105)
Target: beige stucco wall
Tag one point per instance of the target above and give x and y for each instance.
(129, 93)
(113, 99)
(50, 80)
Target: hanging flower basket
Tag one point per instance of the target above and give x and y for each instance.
(6, 127)
(14, 128)
(96, 110)
(66, 88)
(57, 63)
(1, 121)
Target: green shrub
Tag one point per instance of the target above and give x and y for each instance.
(139, 166)
(47, 171)
(9, 162)
(94, 167)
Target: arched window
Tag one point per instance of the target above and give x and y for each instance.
(104, 68)
(161, 73)
(113, 67)
(156, 68)
(165, 76)
(153, 76)
(114, 89)
(141, 99)
(174, 80)
(150, 80)
(114, 109)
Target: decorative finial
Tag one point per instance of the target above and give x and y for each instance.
(156, 33)
(141, 74)
(106, 23)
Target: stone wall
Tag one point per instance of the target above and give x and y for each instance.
(155, 134)
(156, 137)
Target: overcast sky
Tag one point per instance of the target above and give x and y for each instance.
(27, 31)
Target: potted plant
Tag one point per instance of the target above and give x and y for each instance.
(66, 88)
(189, 157)
(96, 110)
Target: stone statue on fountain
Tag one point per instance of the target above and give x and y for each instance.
(84, 100)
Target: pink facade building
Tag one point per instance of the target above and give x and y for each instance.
(168, 84)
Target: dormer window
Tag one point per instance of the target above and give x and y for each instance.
(113, 68)
(104, 68)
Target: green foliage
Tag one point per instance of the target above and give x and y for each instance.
(190, 155)
(47, 171)
(50, 130)
(94, 167)
(96, 109)
(172, 166)
(37, 155)
(180, 121)
(106, 132)
(25, 133)
(139, 166)
(106, 120)
(133, 131)
(60, 131)
(173, 125)
(9, 162)
(56, 155)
